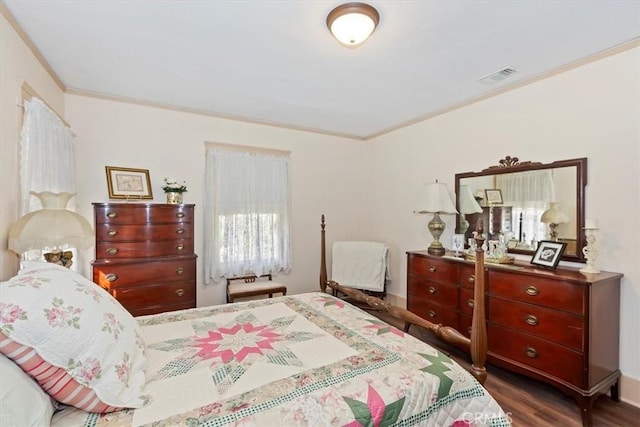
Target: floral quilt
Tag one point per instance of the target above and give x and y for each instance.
(302, 360)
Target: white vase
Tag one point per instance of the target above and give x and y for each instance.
(174, 198)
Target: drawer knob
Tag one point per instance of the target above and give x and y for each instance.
(112, 232)
(179, 270)
(532, 290)
(471, 303)
(469, 330)
(180, 215)
(112, 251)
(111, 277)
(432, 269)
(111, 214)
(432, 314)
(180, 247)
(531, 320)
(432, 290)
(180, 292)
(180, 231)
(471, 278)
(531, 352)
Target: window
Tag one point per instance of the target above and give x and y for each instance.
(528, 193)
(47, 163)
(246, 213)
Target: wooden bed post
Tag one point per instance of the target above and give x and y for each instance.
(479, 345)
(323, 257)
(478, 342)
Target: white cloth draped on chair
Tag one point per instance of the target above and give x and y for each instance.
(360, 265)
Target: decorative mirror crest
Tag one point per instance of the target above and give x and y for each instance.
(511, 162)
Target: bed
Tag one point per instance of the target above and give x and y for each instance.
(302, 360)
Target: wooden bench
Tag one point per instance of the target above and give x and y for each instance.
(249, 286)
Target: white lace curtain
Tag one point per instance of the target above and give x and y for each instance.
(246, 214)
(47, 154)
(529, 194)
(522, 187)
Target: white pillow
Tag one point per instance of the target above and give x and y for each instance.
(22, 401)
(89, 351)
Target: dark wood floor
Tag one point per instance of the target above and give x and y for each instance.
(531, 403)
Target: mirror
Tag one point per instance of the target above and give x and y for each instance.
(518, 195)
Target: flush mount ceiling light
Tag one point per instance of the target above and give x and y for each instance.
(352, 23)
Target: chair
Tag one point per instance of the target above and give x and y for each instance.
(249, 286)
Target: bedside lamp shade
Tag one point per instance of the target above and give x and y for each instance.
(467, 204)
(554, 216)
(51, 228)
(438, 201)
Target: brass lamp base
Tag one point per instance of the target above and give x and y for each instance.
(436, 227)
(436, 251)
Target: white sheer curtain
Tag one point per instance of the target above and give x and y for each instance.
(47, 161)
(47, 154)
(246, 214)
(528, 193)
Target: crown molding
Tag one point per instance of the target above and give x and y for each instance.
(631, 44)
(36, 52)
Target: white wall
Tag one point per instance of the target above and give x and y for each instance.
(328, 174)
(17, 65)
(592, 111)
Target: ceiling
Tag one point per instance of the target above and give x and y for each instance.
(275, 62)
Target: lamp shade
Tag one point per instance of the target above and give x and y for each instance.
(50, 228)
(553, 215)
(352, 23)
(467, 203)
(438, 200)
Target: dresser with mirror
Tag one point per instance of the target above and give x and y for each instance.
(557, 325)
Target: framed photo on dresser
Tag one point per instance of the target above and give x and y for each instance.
(548, 253)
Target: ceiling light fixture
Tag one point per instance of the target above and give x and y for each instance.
(352, 23)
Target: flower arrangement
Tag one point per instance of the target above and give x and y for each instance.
(172, 185)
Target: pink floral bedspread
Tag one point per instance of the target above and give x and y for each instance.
(303, 360)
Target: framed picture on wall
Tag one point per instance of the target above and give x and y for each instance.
(127, 183)
(493, 196)
(548, 253)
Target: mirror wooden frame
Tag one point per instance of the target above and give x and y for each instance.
(512, 164)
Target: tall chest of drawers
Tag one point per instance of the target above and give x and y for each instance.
(145, 255)
(559, 326)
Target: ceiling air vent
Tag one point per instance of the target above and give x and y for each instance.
(498, 75)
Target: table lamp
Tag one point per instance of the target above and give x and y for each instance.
(552, 217)
(438, 201)
(467, 204)
(51, 228)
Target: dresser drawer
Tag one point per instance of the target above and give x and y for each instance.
(466, 301)
(143, 232)
(467, 276)
(544, 356)
(557, 326)
(422, 289)
(119, 250)
(142, 214)
(434, 313)
(144, 311)
(152, 297)
(538, 290)
(464, 325)
(435, 269)
(116, 275)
